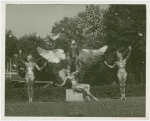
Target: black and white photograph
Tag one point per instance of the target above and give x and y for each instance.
(75, 60)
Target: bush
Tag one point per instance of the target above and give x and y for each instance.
(57, 94)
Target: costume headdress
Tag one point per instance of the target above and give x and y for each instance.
(119, 55)
(30, 57)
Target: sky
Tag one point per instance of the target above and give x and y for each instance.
(28, 18)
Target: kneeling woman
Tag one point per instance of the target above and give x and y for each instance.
(76, 87)
(122, 74)
(30, 76)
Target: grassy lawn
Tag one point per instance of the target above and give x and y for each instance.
(58, 94)
(132, 107)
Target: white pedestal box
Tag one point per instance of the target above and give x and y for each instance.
(73, 96)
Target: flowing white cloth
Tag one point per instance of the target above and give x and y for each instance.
(88, 53)
(53, 56)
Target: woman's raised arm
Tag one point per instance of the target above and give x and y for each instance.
(128, 54)
(20, 51)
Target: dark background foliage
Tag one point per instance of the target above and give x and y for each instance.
(117, 26)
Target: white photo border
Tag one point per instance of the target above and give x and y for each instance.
(3, 24)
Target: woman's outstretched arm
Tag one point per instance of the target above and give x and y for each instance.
(110, 65)
(41, 67)
(76, 71)
(63, 82)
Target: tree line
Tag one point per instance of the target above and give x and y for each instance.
(117, 26)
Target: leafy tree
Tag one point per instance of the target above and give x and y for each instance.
(122, 24)
(118, 26)
(11, 45)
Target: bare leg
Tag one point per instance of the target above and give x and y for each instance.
(123, 90)
(122, 81)
(86, 88)
(31, 88)
(28, 87)
(88, 98)
(31, 94)
(89, 94)
(28, 92)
